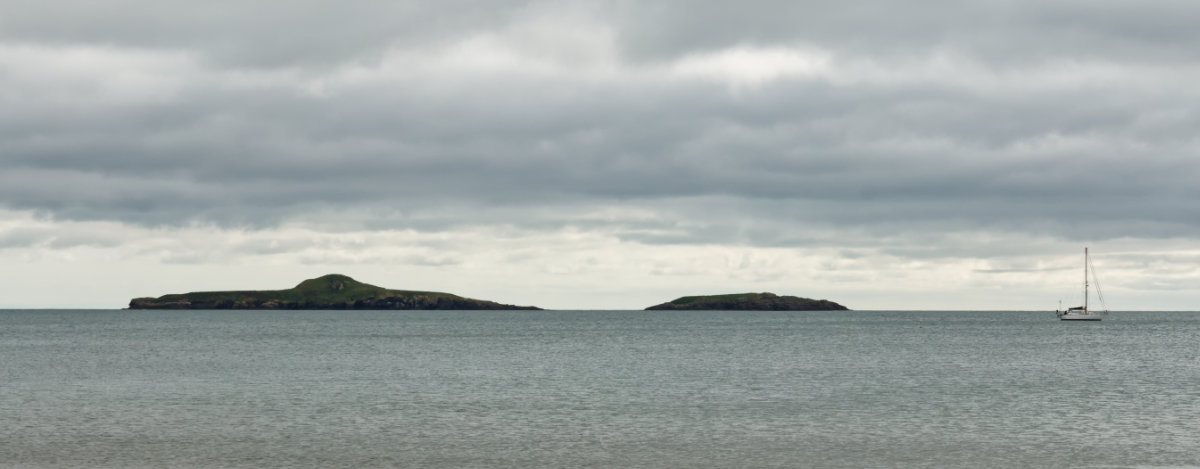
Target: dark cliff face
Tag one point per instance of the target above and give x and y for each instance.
(327, 292)
(749, 302)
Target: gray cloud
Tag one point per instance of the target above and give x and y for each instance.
(1034, 117)
(264, 34)
(279, 33)
(56, 239)
(997, 31)
(21, 238)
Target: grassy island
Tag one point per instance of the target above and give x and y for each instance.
(749, 302)
(332, 291)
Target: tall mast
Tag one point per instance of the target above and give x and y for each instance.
(1085, 280)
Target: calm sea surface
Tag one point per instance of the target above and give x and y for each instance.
(559, 389)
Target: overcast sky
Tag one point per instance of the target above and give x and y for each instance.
(604, 154)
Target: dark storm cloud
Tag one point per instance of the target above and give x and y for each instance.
(1019, 117)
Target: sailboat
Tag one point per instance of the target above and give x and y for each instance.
(1085, 313)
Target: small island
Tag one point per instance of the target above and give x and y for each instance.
(332, 291)
(749, 302)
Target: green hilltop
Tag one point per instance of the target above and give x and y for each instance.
(333, 291)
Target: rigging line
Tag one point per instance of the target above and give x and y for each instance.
(1099, 293)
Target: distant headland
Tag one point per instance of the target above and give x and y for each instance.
(332, 291)
(749, 302)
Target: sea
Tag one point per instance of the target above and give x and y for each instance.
(579, 389)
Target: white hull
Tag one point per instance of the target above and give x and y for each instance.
(1080, 317)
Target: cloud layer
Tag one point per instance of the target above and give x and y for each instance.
(813, 128)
